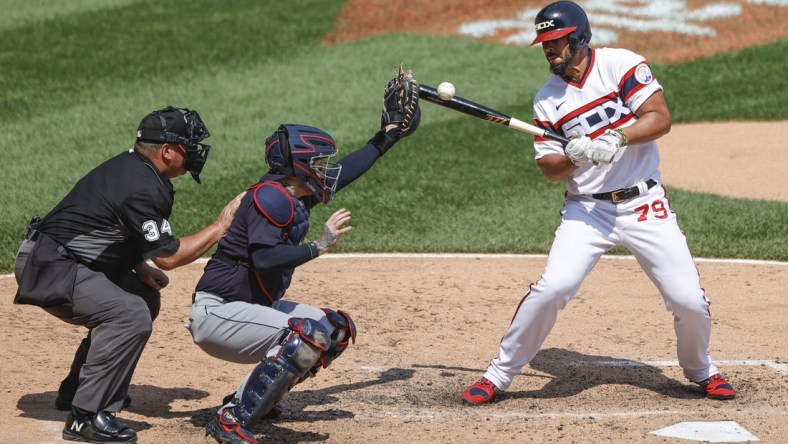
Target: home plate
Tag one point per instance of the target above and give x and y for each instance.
(717, 431)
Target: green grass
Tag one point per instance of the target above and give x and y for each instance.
(78, 76)
(743, 85)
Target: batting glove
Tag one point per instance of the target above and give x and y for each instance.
(604, 148)
(576, 149)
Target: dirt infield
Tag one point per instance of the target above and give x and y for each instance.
(427, 328)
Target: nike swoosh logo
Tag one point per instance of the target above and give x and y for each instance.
(560, 105)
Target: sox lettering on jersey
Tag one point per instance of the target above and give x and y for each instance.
(593, 121)
(615, 84)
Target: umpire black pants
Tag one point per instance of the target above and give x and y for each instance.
(131, 284)
(120, 323)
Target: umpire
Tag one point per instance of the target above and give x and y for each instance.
(85, 262)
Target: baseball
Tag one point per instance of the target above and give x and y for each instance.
(446, 91)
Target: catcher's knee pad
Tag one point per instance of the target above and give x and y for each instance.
(344, 333)
(275, 376)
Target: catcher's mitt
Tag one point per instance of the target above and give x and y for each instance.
(401, 103)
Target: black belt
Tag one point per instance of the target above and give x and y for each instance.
(33, 236)
(221, 256)
(623, 194)
(31, 233)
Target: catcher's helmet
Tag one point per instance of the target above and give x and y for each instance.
(559, 19)
(178, 125)
(305, 152)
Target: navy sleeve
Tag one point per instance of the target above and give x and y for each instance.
(281, 257)
(357, 163)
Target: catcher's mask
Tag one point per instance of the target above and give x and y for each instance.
(305, 152)
(559, 19)
(178, 125)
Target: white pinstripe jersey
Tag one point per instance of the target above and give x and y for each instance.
(616, 82)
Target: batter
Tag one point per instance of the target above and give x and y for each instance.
(612, 106)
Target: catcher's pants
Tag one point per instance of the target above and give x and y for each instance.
(241, 332)
(589, 228)
(119, 317)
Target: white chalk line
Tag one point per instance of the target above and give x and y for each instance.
(418, 414)
(451, 414)
(779, 366)
(520, 256)
(203, 260)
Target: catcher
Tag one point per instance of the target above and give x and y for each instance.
(238, 313)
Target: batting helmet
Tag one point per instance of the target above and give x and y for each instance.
(305, 152)
(559, 19)
(178, 125)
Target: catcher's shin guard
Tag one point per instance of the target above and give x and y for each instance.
(275, 376)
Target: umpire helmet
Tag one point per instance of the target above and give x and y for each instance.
(305, 152)
(559, 19)
(178, 125)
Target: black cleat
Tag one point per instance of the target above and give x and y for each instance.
(99, 428)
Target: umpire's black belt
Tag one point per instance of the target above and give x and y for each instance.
(33, 235)
(623, 194)
(221, 256)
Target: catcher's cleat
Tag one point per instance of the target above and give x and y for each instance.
(100, 428)
(225, 428)
(481, 392)
(717, 387)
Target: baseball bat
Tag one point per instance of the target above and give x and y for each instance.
(473, 109)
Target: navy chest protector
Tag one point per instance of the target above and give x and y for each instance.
(283, 210)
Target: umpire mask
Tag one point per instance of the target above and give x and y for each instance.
(178, 125)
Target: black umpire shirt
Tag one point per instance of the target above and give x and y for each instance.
(116, 216)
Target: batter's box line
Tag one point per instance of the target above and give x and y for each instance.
(521, 256)
(451, 414)
(780, 367)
